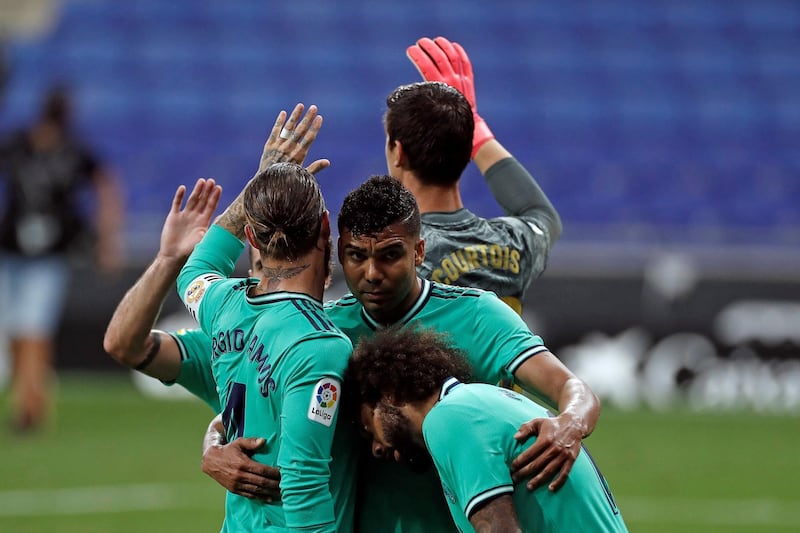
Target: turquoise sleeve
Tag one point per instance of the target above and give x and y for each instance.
(468, 465)
(308, 422)
(507, 339)
(213, 259)
(195, 373)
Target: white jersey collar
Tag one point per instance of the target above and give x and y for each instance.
(448, 385)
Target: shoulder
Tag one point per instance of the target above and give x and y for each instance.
(348, 301)
(344, 312)
(442, 291)
(467, 297)
(323, 354)
(439, 426)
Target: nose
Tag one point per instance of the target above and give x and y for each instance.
(378, 450)
(372, 273)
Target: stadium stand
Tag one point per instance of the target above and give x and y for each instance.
(668, 122)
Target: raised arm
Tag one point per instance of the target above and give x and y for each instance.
(511, 185)
(289, 140)
(214, 258)
(229, 464)
(129, 338)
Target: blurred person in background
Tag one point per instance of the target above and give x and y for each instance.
(432, 132)
(45, 170)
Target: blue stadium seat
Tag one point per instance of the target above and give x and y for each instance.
(677, 119)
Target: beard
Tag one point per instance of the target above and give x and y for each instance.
(399, 434)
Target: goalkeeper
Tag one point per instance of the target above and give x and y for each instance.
(432, 133)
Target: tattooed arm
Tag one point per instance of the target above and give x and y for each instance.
(277, 150)
(496, 516)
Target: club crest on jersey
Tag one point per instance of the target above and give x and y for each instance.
(324, 401)
(195, 292)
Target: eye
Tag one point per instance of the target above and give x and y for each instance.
(364, 433)
(354, 255)
(392, 255)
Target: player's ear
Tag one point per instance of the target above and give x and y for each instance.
(325, 225)
(419, 252)
(399, 155)
(251, 237)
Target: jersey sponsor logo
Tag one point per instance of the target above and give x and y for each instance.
(536, 229)
(451, 497)
(511, 394)
(324, 401)
(194, 294)
(465, 260)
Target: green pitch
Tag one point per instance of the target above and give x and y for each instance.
(117, 461)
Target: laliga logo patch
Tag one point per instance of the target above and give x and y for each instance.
(326, 395)
(324, 400)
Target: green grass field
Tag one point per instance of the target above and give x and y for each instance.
(116, 461)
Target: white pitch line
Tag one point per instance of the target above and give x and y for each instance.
(712, 512)
(154, 496)
(97, 500)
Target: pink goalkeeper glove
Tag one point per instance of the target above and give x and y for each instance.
(441, 60)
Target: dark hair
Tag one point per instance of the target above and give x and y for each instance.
(434, 123)
(284, 206)
(376, 204)
(405, 363)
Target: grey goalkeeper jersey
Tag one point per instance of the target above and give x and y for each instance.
(500, 254)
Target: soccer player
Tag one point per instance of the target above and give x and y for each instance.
(276, 357)
(379, 250)
(432, 131)
(169, 356)
(414, 399)
(44, 170)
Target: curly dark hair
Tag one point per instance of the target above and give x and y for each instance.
(434, 123)
(284, 206)
(376, 204)
(406, 364)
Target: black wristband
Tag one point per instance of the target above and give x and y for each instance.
(152, 353)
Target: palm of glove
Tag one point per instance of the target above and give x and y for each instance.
(444, 61)
(440, 60)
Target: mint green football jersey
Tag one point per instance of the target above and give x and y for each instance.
(495, 340)
(470, 436)
(278, 363)
(195, 373)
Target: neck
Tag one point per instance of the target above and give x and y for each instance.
(306, 275)
(417, 411)
(433, 198)
(44, 137)
(391, 317)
